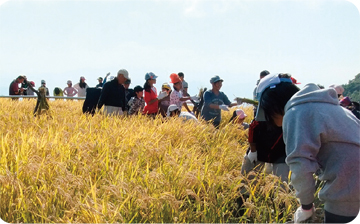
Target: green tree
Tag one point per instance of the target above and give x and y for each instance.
(352, 89)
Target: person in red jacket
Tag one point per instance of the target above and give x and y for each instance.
(150, 95)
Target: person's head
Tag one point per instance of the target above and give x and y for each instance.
(82, 79)
(172, 111)
(32, 83)
(20, 79)
(138, 91)
(216, 83)
(166, 87)
(100, 80)
(181, 76)
(274, 91)
(25, 79)
(339, 89)
(264, 73)
(122, 76)
(127, 83)
(176, 81)
(43, 83)
(69, 83)
(150, 80)
(238, 116)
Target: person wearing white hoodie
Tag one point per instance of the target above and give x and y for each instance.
(321, 138)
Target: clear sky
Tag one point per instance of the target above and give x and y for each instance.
(316, 41)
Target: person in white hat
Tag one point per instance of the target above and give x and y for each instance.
(70, 91)
(173, 111)
(238, 118)
(81, 87)
(113, 94)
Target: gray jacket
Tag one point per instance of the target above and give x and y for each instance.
(324, 138)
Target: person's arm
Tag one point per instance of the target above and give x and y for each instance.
(148, 99)
(302, 146)
(186, 107)
(227, 101)
(103, 96)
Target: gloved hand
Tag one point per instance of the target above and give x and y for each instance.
(162, 95)
(238, 101)
(224, 107)
(107, 74)
(252, 156)
(195, 98)
(302, 215)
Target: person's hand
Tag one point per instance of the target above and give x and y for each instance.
(238, 101)
(252, 156)
(224, 107)
(162, 95)
(107, 74)
(302, 215)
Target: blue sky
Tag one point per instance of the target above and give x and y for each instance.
(315, 41)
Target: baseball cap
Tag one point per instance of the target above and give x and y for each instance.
(166, 86)
(345, 101)
(138, 89)
(69, 82)
(174, 78)
(269, 81)
(150, 75)
(171, 108)
(338, 88)
(100, 78)
(216, 78)
(125, 73)
(43, 82)
(240, 113)
(32, 83)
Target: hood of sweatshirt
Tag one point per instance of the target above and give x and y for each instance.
(312, 93)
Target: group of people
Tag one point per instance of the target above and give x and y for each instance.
(308, 131)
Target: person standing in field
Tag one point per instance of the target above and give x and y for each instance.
(185, 85)
(43, 84)
(137, 103)
(81, 87)
(113, 94)
(165, 102)
(41, 103)
(321, 138)
(214, 102)
(29, 90)
(70, 91)
(24, 86)
(151, 98)
(176, 96)
(129, 93)
(14, 89)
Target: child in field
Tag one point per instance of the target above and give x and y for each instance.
(238, 118)
(137, 103)
(70, 91)
(150, 95)
(173, 111)
(165, 102)
(176, 96)
(321, 138)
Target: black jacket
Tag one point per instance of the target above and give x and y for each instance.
(112, 94)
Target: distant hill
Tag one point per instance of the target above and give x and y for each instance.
(352, 89)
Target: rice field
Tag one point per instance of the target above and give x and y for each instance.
(73, 168)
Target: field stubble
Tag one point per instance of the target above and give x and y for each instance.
(69, 167)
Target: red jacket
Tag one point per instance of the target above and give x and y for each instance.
(153, 108)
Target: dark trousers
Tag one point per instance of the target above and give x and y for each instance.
(332, 218)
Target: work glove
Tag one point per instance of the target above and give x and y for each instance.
(162, 95)
(224, 107)
(252, 156)
(238, 101)
(107, 74)
(302, 215)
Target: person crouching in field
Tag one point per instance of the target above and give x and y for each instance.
(321, 138)
(238, 118)
(137, 103)
(41, 103)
